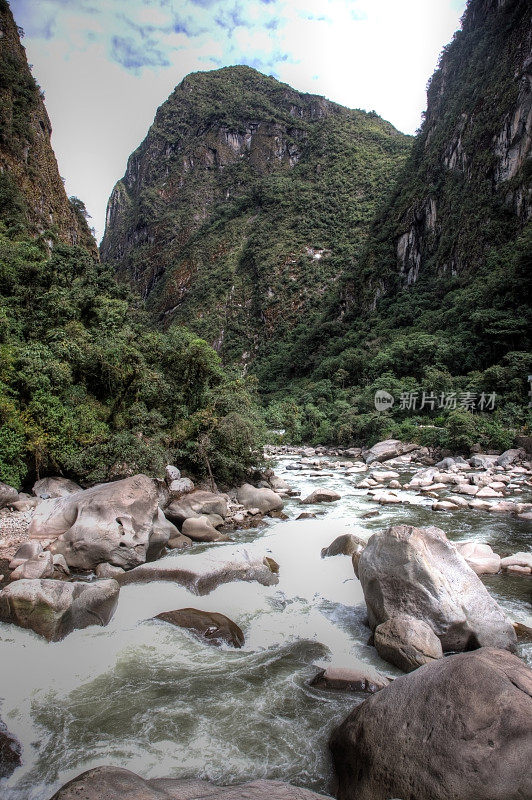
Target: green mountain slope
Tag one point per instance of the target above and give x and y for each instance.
(244, 204)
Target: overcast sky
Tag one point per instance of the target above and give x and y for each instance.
(106, 65)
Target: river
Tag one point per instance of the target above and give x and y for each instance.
(147, 696)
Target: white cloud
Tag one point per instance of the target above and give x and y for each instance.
(106, 65)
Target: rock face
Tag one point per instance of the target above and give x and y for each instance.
(114, 783)
(407, 642)
(216, 628)
(119, 523)
(265, 500)
(217, 158)
(9, 752)
(417, 571)
(459, 728)
(28, 168)
(54, 609)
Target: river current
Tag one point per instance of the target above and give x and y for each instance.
(150, 697)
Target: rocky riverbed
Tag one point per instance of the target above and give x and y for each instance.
(234, 656)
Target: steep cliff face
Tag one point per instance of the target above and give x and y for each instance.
(31, 190)
(237, 211)
(467, 185)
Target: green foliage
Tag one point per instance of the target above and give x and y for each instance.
(88, 388)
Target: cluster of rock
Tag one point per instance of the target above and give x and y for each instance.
(117, 533)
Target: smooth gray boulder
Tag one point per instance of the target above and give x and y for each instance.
(8, 495)
(115, 783)
(55, 487)
(200, 530)
(407, 642)
(202, 573)
(390, 448)
(456, 728)
(510, 457)
(322, 496)
(417, 571)
(265, 500)
(54, 609)
(195, 504)
(215, 628)
(119, 523)
(345, 545)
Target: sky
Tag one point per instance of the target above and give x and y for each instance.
(106, 65)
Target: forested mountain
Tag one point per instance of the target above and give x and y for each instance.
(242, 207)
(88, 387)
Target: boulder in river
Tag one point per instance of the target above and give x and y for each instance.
(200, 530)
(54, 609)
(265, 500)
(119, 523)
(345, 545)
(390, 448)
(322, 496)
(349, 679)
(519, 562)
(456, 728)
(407, 642)
(10, 751)
(203, 572)
(216, 628)
(417, 571)
(480, 557)
(510, 457)
(195, 504)
(115, 783)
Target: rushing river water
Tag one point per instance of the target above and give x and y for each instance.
(150, 697)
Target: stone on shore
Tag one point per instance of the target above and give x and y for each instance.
(115, 783)
(54, 609)
(8, 495)
(265, 500)
(119, 523)
(456, 728)
(417, 571)
(407, 642)
(55, 487)
(322, 496)
(215, 628)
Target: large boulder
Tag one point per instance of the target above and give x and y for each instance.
(417, 571)
(265, 500)
(407, 642)
(54, 609)
(55, 487)
(215, 628)
(510, 457)
(200, 530)
(322, 496)
(114, 783)
(10, 751)
(480, 557)
(456, 728)
(8, 495)
(196, 503)
(349, 679)
(390, 448)
(40, 566)
(203, 572)
(119, 523)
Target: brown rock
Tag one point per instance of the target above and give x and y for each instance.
(407, 642)
(216, 628)
(349, 680)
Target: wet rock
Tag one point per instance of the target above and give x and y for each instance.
(407, 642)
(40, 566)
(347, 679)
(216, 628)
(521, 560)
(322, 496)
(480, 505)
(444, 505)
(503, 507)
(119, 523)
(200, 530)
(345, 545)
(202, 573)
(480, 557)
(387, 499)
(370, 514)
(417, 571)
(265, 500)
(54, 609)
(390, 448)
(115, 783)
(55, 487)
(306, 515)
(179, 542)
(8, 495)
(10, 752)
(459, 727)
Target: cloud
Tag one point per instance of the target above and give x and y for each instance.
(106, 65)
